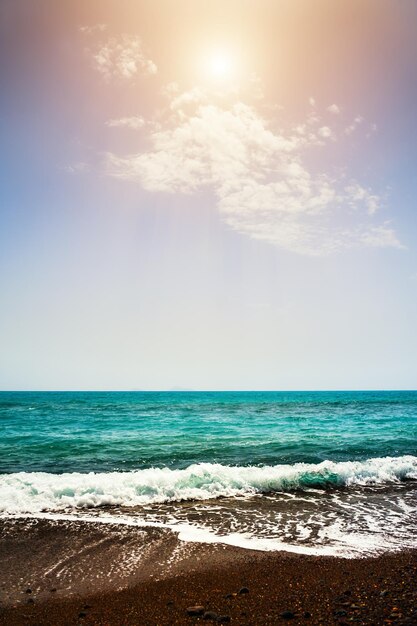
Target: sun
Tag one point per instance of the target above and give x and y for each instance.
(220, 64)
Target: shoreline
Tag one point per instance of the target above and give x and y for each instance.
(60, 572)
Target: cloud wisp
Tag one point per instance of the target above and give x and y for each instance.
(135, 122)
(121, 57)
(90, 30)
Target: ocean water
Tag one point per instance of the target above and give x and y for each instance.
(310, 472)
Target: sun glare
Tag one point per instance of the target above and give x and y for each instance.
(220, 64)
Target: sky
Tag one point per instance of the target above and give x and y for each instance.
(208, 194)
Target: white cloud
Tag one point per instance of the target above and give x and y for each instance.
(359, 194)
(192, 97)
(354, 125)
(381, 237)
(333, 108)
(77, 168)
(122, 57)
(258, 175)
(134, 122)
(89, 30)
(325, 132)
(284, 213)
(212, 147)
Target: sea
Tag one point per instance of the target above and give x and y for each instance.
(329, 473)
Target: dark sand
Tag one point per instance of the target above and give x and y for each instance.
(81, 573)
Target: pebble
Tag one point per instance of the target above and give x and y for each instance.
(223, 619)
(210, 615)
(28, 590)
(287, 615)
(195, 610)
(243, 590)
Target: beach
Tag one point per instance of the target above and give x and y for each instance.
(56, 572)
(184, 508)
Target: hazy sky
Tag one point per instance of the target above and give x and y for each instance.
(208, 194)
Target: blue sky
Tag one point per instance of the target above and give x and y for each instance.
(207, 197)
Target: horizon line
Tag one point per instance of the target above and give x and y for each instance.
(180, 390)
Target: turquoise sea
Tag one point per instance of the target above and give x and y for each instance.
(319, 472)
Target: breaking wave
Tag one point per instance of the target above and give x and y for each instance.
(35, 492)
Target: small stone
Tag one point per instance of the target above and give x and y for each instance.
(28, 590)
(210, 615)
(341, 613)
(82, 614)
(243, 590)
(347, 592)
(53, 590)
(228, 596)
(31, 601)
(287, 615)
(223, 619)
(195, 610)
(307, 614)
(170, 603)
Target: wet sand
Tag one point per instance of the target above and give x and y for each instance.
(59, 573)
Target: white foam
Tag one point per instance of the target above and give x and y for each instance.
(35, 492)
(338, 542)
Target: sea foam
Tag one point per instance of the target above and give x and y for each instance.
(35, 492)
